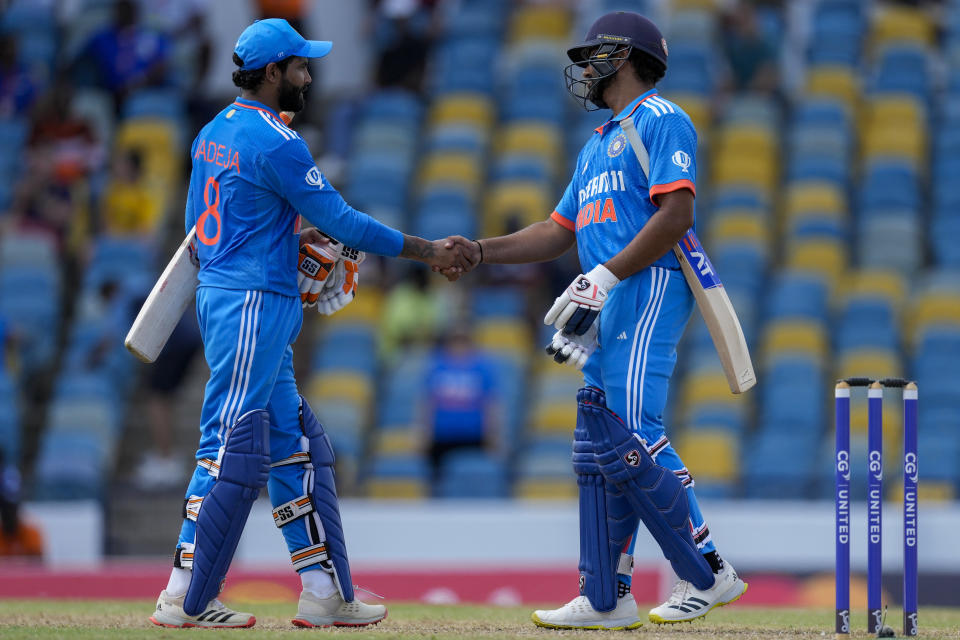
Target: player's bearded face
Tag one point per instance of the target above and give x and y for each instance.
(291, 95)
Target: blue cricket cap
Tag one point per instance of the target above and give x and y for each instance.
(272, 40)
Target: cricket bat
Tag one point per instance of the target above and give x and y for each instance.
(165, 305)
(718, 313)
(715, 306)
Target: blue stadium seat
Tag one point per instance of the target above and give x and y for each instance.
(867, 322)
(797, 295)
(472, 474)
(10, 432)
(353, 348)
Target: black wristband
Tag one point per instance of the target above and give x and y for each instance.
(481, 250)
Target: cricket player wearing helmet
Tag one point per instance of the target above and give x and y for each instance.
(252, 179)
(620, 322)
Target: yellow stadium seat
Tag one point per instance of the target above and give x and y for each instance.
(794, 336)
(550, 417)
(511, 337)
(837, 82)
(893, 110)
(528, 202)
(885, 284)
(531, 138)
(540, 22)
(466, 108)
(895, 142)
(397, 489)
(457, 168)
(935, 491)
(739, 227)
(342, 386)
(814, 195)
(396, 441)
(878, 363)
(731, 169)
(364, 310)
(707, 387)
(710, 454)
(746, 139)
(824, 257)
(697, 108)
(547, 488)
(901, 24)
(935, 308)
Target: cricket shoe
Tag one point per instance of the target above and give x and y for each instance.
(689, 603)
(170, 613)
(334, 611)
(578, 614)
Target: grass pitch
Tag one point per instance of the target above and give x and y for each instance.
(42, 619)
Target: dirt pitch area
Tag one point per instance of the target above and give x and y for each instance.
(41, 619)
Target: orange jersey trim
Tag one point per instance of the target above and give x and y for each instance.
(676, 185)
(563, 222)
(267, 111)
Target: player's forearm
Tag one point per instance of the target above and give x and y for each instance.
(664, 230)
(539, 242)
(416, 248)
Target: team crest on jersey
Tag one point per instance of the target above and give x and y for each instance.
(314, 178)
(617, 145)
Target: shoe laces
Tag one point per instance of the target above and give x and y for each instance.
(679, 593)
(375, 595)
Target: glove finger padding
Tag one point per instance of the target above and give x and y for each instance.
(314, 266)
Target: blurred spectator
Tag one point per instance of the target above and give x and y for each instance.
(126, 54)
(62, 145)
(403, 36)
(44, 204)
(106, 314)
(18, 89)
(161, 468)
(460, 408)
(293, 11)
(751, 55)
(17, 537)
(128, 207)
(413, 313)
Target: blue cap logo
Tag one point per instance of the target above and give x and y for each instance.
(272, 40)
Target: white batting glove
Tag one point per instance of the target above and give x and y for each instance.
(571, 349)
(315, 263)
(577, 307)
(341, 287)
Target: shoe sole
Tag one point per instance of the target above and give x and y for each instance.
(658, 620)
(188, 625)
(300, 622)
(537, 620)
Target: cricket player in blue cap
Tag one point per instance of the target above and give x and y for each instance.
(252, 179)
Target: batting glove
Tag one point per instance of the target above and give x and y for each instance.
(571, 349)
(315, 264)
(577, 307)
(341, 288)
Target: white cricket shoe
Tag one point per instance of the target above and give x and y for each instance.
(689, 603)
(334, 611)
(170, 613)
(579, 614)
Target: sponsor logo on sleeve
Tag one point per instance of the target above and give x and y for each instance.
(314, 178)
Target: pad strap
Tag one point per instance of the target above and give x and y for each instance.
(300, 457)
(307, 556)
(191, 507)
(290, 511)
(183, 556)
(625, 566)
(210, 465)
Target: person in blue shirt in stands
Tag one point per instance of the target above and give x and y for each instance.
(252, 179)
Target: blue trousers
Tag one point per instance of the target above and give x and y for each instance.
(247, 338)
(640, 326)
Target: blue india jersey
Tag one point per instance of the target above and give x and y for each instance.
(609, 199)
(252, 178)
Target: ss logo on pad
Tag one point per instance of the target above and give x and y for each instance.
(632, 458)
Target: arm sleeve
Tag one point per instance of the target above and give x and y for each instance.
(566, 212)
(672, 145)
(291, 172)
